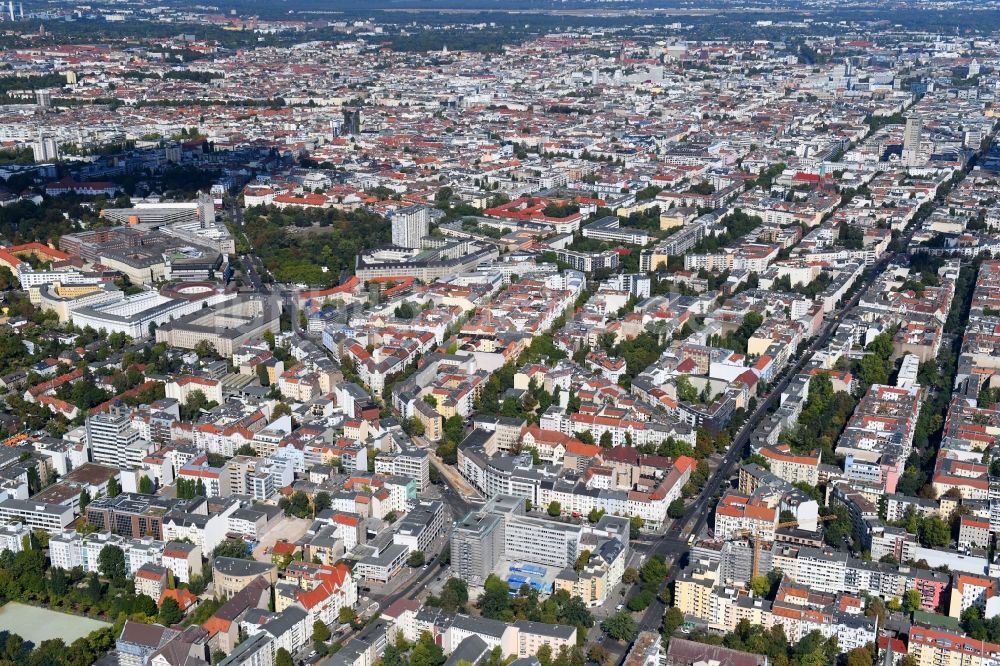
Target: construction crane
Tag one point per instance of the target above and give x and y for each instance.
(754, 538)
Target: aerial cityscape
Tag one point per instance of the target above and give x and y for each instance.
(500, 332)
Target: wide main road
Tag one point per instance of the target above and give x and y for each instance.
(673, 545)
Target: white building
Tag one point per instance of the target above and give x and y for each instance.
(409, 225)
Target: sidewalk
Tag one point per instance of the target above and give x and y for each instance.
(455, 479)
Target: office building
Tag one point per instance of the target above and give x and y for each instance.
(129, 515)
(36, 515)
(477, 543)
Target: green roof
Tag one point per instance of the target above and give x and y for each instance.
(936, 621)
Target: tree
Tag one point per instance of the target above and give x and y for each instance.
(346, 615)
(620, 627)
(95, 589)
(426, 652)
(146, 486)
(554, 509)
(205, 349)
(595, 515)
(630, 576)
(415, 427)
(653, 573)
(170, 612)
(189, 488)
(297, 505)
(321, 632)
(283, 658)
(635, 527)
(247, 450)
(416, 559)
(641, 601)
(236, 548)
(597, 654)
(195, 403)
(685, 389)
(113, 488)
(322, 501)
(912, 601)
(606, 441)
(111, 563)
(281, 409)
(672, 620)
(262, 376)
(84, 501)
(676, 508)
(454, 595)
(495, 599)
(838, 531)
(860, 656)
(760, 586)
(876, 609)
(58, 583)
(934, 532)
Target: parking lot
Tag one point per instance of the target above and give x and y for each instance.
(283, 529)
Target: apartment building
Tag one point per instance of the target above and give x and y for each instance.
(969, 591)
(792, 467)
(693, 590)
(110, 434)
(231, 575)
(936, 647)
(409, 225)
(421, 525)
(409, 462)
(739, 515)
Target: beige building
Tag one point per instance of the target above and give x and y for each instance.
(63, 298)
(676, 217)
(151, 580)
(792, 467)
(531, 636)
(973, 531)
(230, 575)
(430, 418)
(693, 590)
(226, 327)
(933, 647)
